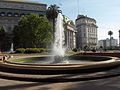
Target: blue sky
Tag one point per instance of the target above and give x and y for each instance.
(106, 13)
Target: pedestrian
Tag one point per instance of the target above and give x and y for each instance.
(3, 58)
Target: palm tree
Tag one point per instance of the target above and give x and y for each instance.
(52, 13)
(110, 33)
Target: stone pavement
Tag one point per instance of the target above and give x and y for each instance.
(101, 84)
(61, 77)
(112, 83)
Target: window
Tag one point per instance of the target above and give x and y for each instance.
(22, 14)
(2, 14)
(9, 14)
(84, 34)
(16, 14)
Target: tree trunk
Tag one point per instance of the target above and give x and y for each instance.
(53, 30)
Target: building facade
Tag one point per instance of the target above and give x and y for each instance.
(86, 32)
(70, 33)
(106, 43)
(119, 38)
(12, 10)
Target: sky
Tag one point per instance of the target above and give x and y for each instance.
(105, 12)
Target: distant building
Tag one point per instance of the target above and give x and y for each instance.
(70, 33)
(119, 38)
(12, 10)
(86, 32)
(106, 43)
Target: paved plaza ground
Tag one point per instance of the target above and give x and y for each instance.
(101, 84)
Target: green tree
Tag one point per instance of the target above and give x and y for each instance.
(33, 31)
(52, 13)
(110, 33)
(2, 37)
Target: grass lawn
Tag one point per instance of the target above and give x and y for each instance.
(23, 60)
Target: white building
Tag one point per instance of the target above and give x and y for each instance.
(106, 43)
(70, 33)
(86, 32)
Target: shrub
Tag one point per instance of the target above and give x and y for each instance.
(93, 50)
(20, 50)
(75, 50)
(42, 50)
(30, 50)
(48, 50)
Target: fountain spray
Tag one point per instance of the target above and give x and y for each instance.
(58, 48)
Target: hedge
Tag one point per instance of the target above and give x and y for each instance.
(75, 50)
(30, 50)
(20, 50)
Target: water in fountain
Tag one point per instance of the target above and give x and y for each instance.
(58, 48)
(11, 48)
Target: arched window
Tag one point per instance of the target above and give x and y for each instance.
(22, 14)
(2, 14)
(16, 14)
(9, 14)
(41, 15)
(28, 13)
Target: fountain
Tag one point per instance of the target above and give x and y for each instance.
(11, 48)
(58, 49)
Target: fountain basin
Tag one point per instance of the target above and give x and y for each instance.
(48, 60)
(103, 63)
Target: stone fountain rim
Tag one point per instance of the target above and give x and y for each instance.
(63, 69)
(61, 66)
